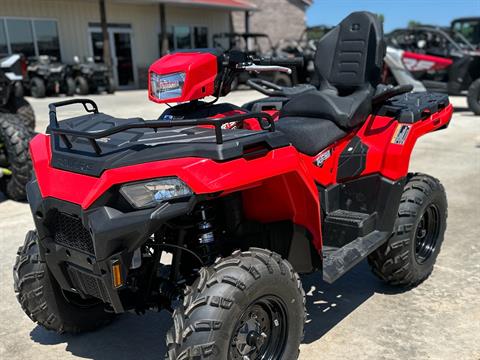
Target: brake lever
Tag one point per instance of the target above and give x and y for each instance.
(267, 68)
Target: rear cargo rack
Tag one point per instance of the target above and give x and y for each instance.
(91, 107)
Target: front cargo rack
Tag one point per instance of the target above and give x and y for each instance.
(91, 107)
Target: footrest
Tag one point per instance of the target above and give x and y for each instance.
(342, 227)
(338, 262)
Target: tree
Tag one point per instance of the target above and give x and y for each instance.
(413, 23)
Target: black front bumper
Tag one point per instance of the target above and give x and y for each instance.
(80, 246)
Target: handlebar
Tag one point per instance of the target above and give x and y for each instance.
(275, 61)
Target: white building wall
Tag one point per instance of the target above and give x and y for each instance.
(74, 16)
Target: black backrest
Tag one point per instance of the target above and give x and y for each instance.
(351, 55)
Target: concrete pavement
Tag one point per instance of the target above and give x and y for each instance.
(355, 318)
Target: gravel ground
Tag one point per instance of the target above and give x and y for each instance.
(355, 318)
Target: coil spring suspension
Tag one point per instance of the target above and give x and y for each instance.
(206, 234)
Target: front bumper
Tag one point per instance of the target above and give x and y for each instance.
(80, 246)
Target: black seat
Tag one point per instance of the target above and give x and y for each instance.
(348, 64)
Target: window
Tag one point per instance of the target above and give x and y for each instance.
(29, 37)
(469, 29)
(183, 37)
(200, 36)
(186, 37)
(47, 38)
(21, 36)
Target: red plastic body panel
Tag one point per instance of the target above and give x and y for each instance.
(384, 156)
(200, 68)
(280, 185)
(421, 62)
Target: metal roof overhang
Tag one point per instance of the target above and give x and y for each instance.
(233, 5)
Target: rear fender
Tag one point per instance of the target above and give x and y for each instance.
(388, 151)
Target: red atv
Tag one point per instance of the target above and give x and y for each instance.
(445, 61)
(244, 198)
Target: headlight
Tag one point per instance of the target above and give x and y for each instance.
(153, 192)
(165, 87)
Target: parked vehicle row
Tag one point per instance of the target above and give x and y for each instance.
(46, 76)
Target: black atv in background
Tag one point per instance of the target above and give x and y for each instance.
(91, 77)
(17, 122)
(12, 68)
(47, 76)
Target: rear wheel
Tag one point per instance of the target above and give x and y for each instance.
(81, 86)
(37, 87)
(15, 163)
(409, 255)
(473, 97)
(247, 306)
(44, 302)
(110, 85)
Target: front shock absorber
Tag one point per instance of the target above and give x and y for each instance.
(206, 235)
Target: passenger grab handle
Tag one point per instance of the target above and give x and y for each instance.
(267, 68)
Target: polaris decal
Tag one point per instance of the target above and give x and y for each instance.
(401, 134)
(418, 65)
(323, 157)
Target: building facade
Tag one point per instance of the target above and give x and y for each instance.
(280, 19)
(68, 28)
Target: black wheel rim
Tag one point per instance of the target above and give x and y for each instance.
(261, 332)
(426, 234)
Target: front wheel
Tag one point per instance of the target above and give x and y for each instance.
(408, 257)
(21, 107)
(44, 302)
(247, 306)
(15, 163)
(473, 97)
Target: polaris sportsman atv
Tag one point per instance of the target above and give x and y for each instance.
(91, 77)
(48, 76)
(308, 179)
